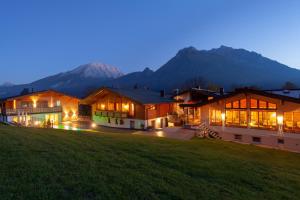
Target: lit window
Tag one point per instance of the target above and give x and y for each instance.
(228, 105)
(262, 104)
(58, 103)
(254, 119)
(236, 104)
(243, 118)
(243, 103)
(253, 103)
(272, 105)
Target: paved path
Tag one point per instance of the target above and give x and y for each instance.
(172, 132)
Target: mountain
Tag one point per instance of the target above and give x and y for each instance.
(7, 84)
(224, 66)
(132, 79)
(75, 82)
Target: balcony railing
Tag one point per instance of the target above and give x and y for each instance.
(108, 113)
(33, 110)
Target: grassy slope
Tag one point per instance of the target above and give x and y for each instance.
(56, 164)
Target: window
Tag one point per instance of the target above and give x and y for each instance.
(215, 117)
(237, 137)
(262, 104)
(272, 106)
(253, 103)
(280, 141)
(236, 104)
(236, 117)
(228, 105)
(243, 103)
(296, 119)
(254, 119)
(58, 103)
(228, 117)
(243, 118)
(256, 139)
(288, 120)
(111, 106)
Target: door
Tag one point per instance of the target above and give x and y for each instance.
(132, 124)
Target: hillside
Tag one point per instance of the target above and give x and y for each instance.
(58, 164)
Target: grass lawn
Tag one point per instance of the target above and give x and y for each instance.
(58, 164)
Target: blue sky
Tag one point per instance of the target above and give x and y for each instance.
(41, 38)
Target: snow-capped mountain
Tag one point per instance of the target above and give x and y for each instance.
(97, 70)
(78, 82)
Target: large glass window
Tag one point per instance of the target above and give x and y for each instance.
(215, 117)
(291, 121)
(263, 119)
(243, 103)
(262, 104)
(236, 104)
(253, 103)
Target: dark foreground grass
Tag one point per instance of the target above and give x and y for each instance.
(56, 164)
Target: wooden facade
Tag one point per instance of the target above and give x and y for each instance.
(38, 108)
(110, 108)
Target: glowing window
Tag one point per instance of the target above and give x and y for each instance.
(272, 106)
(254, 119)
(243, 118)
(228, 117)
(228, 105)
(296, 119)
(253, 103)
(236, 104)
(236, 117)
(243, 103)
(262, 104)
(288, 120)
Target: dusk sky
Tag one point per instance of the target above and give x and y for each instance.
(41, 38)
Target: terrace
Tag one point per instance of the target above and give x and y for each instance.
(17, 111)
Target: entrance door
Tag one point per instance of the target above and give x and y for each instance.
(132, 124)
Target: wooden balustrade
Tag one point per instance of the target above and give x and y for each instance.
(108, 113)
(33, 110)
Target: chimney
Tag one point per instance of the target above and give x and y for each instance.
(221, 91)
(162, 93)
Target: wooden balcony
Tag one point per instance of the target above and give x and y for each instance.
(33, 110)
(110, 113)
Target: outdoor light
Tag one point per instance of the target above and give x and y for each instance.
(94, 125)
(126, 106)
(280, 120)
(223, 116)
(102, 106)
(36, 123)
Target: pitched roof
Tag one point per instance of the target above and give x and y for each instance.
(35, 93)
(142, 96)
(269, 93)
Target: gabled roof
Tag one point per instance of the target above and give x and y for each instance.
(269, 94)
(141, 96)
(36, 93)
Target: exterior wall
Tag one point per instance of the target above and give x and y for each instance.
(288, 141)
(108, 109)
(127, 123)
(40, 106)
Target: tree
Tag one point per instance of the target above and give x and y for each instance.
(289, 86)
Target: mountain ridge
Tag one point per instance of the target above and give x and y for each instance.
(224, 67)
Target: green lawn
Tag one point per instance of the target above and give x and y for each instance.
(57, 164)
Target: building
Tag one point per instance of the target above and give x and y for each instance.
(129, 108)
(43, 108)
(191, 114)
(270, 118)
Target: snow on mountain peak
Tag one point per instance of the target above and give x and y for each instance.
(97, 70)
